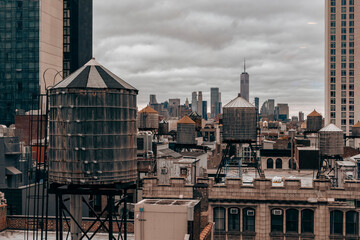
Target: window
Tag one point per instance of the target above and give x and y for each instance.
(276, 220)
(332, 37)
(343, 86)
(219, 218)
(248, 220)
(332, 51)
(332, 24)
(332, 59)
(292, 220)
(233, 219)
(332, 87)
(343, 51)
(333, 10)
(343, 30)
(343, 93)
(332, 108)
(343, 37)
(343, 2)
(332, 45)
(332, 80)
(343, 9)
(351, 23)
(351, 30)
(343, 16)
(278, 163)
(333, 17)
(351, 2)
(343, 23)
(307, 221)
(351, 65)
(351, 16)
(352, 223)
(270, 163)
(183, 172)
(336, 222)
(332, 94)
(351, 108)
(332, 114)
(343, 107)
(343, 65)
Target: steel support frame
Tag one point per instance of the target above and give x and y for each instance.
(110, 191)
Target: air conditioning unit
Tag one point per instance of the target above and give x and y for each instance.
(250, 213)
(234, 211)
(277, 212)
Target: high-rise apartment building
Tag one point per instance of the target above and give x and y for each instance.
(215, 98)
(40, 40)
(342, 55)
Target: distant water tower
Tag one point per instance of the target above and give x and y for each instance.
(314, 121)
(149, 119)
(186, 131)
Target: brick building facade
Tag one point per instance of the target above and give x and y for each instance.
(262, 211)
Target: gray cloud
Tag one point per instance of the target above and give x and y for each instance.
(171, 48)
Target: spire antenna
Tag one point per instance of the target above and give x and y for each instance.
(244, 65)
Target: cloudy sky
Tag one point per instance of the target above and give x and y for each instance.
(171, 48)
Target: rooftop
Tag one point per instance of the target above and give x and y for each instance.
(148, 109)
(314, 114)
(239, 102)
(186, 120)
(93, 75)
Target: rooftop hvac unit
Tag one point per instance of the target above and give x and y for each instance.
(250, 213)
(277, 212)
(234, 211)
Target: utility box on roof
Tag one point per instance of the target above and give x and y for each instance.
(164, 219)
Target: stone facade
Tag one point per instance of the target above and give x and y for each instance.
(278, 212)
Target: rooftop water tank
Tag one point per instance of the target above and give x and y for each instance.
(314, 121)
(356, 130)
(92, 128)
(149, 119)
(185, 131)
(239, 121)
(331, 141)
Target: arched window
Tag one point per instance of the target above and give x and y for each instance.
(277, 220)
(336, 222)
(278, 163)
(307, 221)
(234, 219)
(219, 218)
(292, 220)
(352, 223)
(270, 163)
(248, 220)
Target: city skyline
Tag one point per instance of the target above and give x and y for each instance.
(284, 58)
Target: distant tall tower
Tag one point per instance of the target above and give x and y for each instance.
(153, 99)
(215, 103)
(244, 84)
(194, 102)
(199, 103)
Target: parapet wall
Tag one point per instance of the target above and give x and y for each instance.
(261, 190)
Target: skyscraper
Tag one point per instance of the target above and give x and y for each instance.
(215, 106)
(31, 41)
(204, 110)
(244, 84)
(77, 34)
(199, 103)
(40, 40)
(194, 102)
(342, 54)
